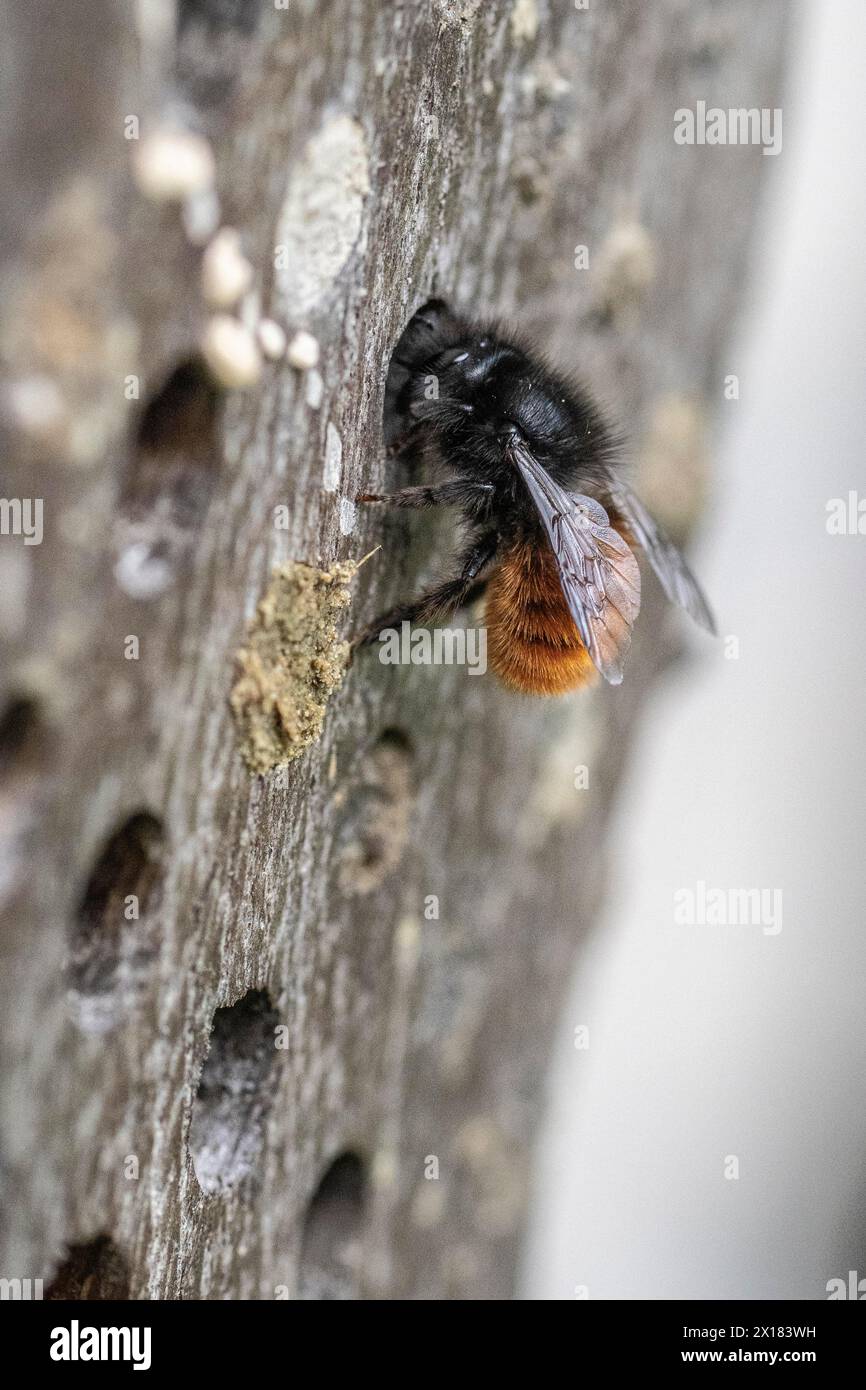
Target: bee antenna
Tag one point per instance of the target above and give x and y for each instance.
(367, 557)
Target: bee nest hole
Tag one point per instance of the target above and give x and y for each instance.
(378, 811)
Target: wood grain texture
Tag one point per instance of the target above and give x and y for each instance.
(439, 146)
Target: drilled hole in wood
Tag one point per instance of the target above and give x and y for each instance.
(27, 744)
(219, 16)
(23, 737)
(115, 931)
(331, 1245)
(376, 816)
(95, 1270)
(214, 39)
(174, 464)
(234, 1093)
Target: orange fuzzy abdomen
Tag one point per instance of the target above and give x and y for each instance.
(532, 641)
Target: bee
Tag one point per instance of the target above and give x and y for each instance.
(526, 457)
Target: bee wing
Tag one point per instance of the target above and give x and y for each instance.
(666, 558)
(599, 575)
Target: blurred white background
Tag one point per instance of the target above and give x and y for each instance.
(710, 1041)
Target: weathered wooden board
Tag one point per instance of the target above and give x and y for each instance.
(177, 1087)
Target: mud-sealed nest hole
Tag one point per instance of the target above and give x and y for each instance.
(292, 661)
(115, 930)
(234, 1094)
(377, 811)
(330, 1249)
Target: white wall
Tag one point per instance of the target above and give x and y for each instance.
(707, 1041)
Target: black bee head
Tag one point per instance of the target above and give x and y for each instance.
(492, 392)
(469, 388)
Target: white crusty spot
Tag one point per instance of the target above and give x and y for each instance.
(321, 217)
(333, 459)
(347, 516)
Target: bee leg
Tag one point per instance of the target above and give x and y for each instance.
(403, 441)
(455, 493)
(442, 599)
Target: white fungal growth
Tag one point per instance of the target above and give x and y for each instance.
(333, 459)
(230, 351)
(172, 165)
(303, 351)
(35, 404)
(140, 572)
(524, 21)
(226, 273)
(315, 389)
(272, 339)
(322, 215)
